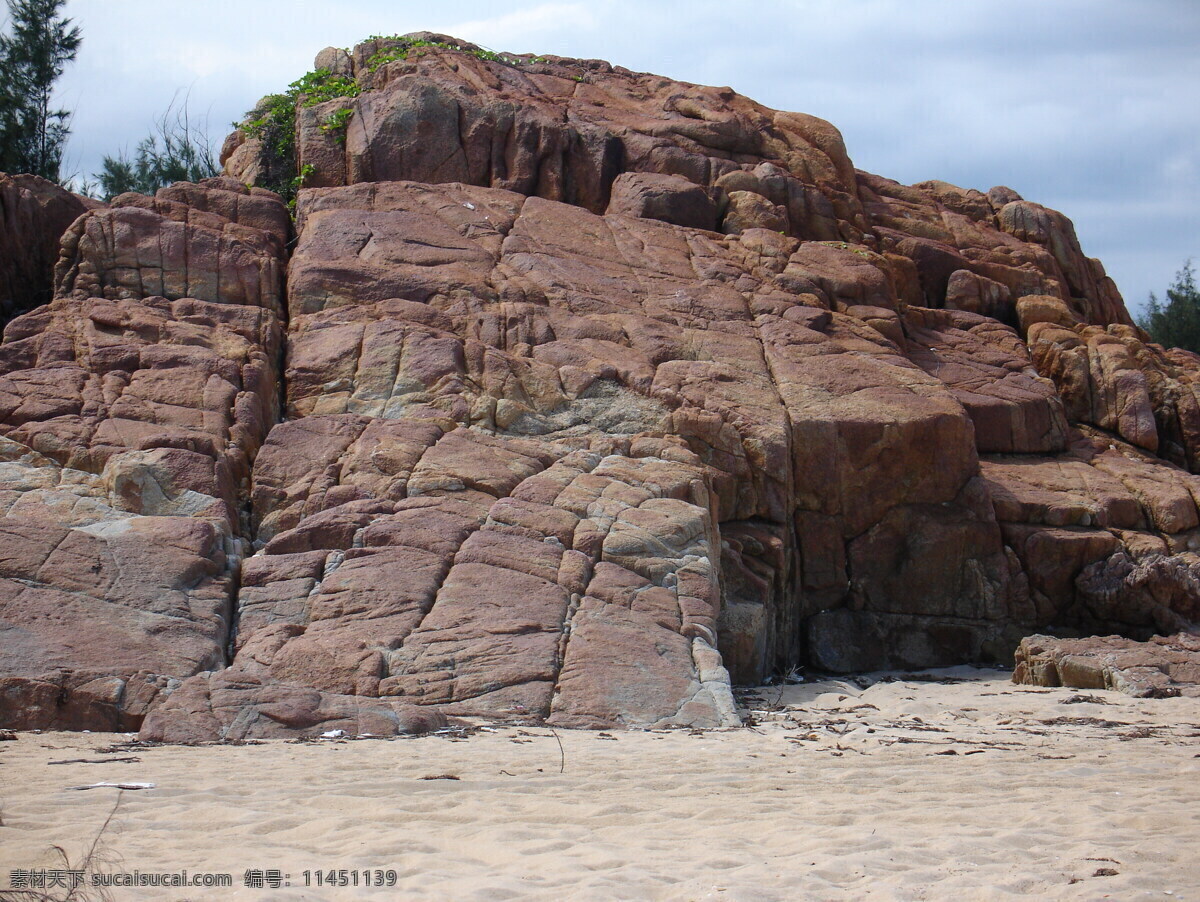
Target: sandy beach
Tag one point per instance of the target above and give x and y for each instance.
(942, 785)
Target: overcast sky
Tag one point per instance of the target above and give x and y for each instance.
(1088, 106)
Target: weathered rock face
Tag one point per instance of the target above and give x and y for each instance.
(508, 579)
(99, 619)
(437, 110)
(669, 198)
(34, 214)
(596, 388)
(1161, 668)
(129, 427)
(1110, 378)
(217, 241)
(990, 373)
(538, 319)
(562, 130)
(1107, 535)
(166, 401)
(602, 137)
(983, 252)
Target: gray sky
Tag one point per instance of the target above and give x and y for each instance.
(1088, 106)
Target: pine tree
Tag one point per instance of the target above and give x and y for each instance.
(32, 57)
(175, 151)
(1177, 323)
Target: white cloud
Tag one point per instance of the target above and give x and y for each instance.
(513, 31)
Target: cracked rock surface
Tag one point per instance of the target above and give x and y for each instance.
(570, 396)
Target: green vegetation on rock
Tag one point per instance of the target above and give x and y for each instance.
(399, 48)
(273, 122)
(335, 123)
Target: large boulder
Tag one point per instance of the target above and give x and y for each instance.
(669, 198)
(1165, 666)
(34, 214)
(215, 241)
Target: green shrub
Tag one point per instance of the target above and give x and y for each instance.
(399, 48)
(273, 123)
(175, 151)
(335, 123)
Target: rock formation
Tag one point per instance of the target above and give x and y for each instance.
(34, 213)
(584, 389)
(129, 425)
(1164, 667)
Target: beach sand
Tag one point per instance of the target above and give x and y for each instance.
(950, 784)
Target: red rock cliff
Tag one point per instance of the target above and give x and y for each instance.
(582, 389)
